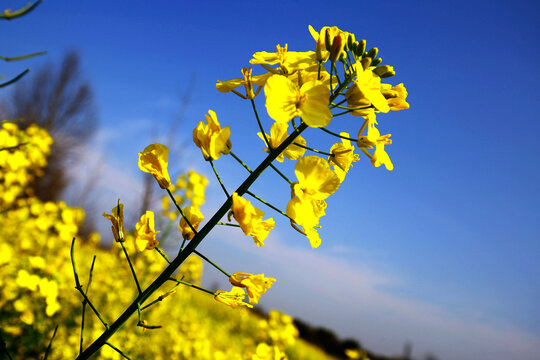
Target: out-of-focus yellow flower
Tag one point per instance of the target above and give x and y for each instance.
(211, 138)
(267, 352)
(250, 219)
(117, 220)
(278, 134)
(145, 234)
(195, 217)
(343, 153)
(374, 138)
(154, 160)
(232, 298)
(288, 61)
(256, 285)
(196, 188)
(365, 92)
(396, 96)
(315, 178)
(247, 81)
(285, 101)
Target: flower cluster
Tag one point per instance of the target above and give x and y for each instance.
(308, 86)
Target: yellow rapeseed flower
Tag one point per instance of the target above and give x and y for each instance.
(145, 234)
(374, 138)
(247, 82)
(285, 101)
(256, 285)
(288, 61)
(306, 213)
(232, 298)
(343, 154)
(195, 217)
(278, 134)
(117, 220)
(315, 178)
(366, 92)
(396, 96)
(250, 219)
(154, 160)
(211, 138)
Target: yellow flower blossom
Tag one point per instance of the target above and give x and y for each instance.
(250, 219)
(287, 61)
(285, 101)
(211, 138)
(366, 92)
(278, 134)
(232, 298)
(195, 217)
(396, 96)
(154, 160)
(315, 178)
(343, 154)
(145, 234)
(374, 138)
(307, 213)
(117, 220)
(256, 285)
(247, 82)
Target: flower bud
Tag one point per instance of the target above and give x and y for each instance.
(337, 48)
(383, 69)
(350, 41)
(366, 62)
(376, 61)
(361, 48)
(388, 74)
(373, 52)
(328, 40)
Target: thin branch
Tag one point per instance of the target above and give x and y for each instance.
(9, 15)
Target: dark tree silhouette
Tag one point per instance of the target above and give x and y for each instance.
(59, 100)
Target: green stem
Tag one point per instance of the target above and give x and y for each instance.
(50, 344)
(131, 267)
(159, 299)
(162, 254)
(337, 135)
(212, 263)
(240, 161)
(191, 285)
(22, 11)
(219, 179)
(84, 304)
(197, 239)
(16, 78)
(23, 57)
(366, 152)
(180, 211)
(182, 246)
(312, 149)
(79, 288)
(260, 125)
(339, 103)
(227, 224)
(117, 350)
(280, 173)
(268, 204)
(340, 88)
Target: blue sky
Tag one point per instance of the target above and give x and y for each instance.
(441, 252)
